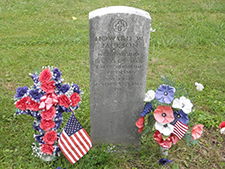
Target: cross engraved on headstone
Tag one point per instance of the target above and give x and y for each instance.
(119, 43)
(120, 25)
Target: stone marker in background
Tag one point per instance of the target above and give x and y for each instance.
(119, 43)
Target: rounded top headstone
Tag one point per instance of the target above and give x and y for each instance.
(118, 9)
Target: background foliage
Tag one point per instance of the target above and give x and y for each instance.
(188, 45)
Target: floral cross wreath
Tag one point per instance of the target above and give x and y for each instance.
(46, 101)
(169, 116)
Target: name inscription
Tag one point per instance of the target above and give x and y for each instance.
(118, 60)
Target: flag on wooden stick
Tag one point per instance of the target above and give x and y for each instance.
(74, 141)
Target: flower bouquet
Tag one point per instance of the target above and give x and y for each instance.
(168, 111)
(46, 101)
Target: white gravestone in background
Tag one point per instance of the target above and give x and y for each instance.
(119, 43)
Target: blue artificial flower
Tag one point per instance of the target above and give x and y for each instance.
(60, 168)
(56, 74)
(165, 94)
(58, 85)
(163, 161)
(59, 116)
(57, 150)
(21, 91)
(63, 109)
(36, 127)
(35, 78)
(58, 124)
(18, 112)
(64, 88)
(147, 109)
(39, 138)
(76, 88)
(181, 116)
(35, 94)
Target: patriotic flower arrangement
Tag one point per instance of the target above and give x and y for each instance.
(46, 101)
(168, 112)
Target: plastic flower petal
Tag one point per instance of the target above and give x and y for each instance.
(45, 75)
(199, 86)
(50, 137)
(159, 140)
(47, 149)
(197, 131)
(183, 103)
(222, 131)
(164, 114)
(35, 94)
(64, 88)
(181, 116)
(76, 88)
(21, 91)
(222, 125)
(149, 96)
(140, 124)
(147, 109)
(47, 101)
(56, 74)
(165, 129)
(163, 161)
(165, 94)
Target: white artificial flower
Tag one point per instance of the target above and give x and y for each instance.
(199, 86)
(183, 103)
(222, 131)
(152, 30)
(149, 96)
(165, 129)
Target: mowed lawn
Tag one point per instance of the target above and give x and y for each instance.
(188, 45)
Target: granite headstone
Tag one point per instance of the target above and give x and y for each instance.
(119, 44)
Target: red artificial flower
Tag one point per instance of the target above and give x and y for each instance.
(174, 138)
(50, 137)
(32, 105)
(48, 114)
(45, 75)
(64, 101)
(222, 125)
(22, 103)
(140, 124)
(75, 99)
(164, 114)
(47, 124)
(48, 149)
(48, 100)
(197, 131)
(48, 87)
(159, 140)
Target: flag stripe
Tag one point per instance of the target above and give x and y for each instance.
(72, 146)
(87, 138)
(180, 129)
(74, 141)
(72, 156)
(80, 143)
(65, 151)
(79, 134)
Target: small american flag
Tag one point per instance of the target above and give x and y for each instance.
(180, 129)
(74, 141)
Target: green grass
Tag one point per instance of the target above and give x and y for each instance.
(188, 45)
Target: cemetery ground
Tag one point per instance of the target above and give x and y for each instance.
(188, 45)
